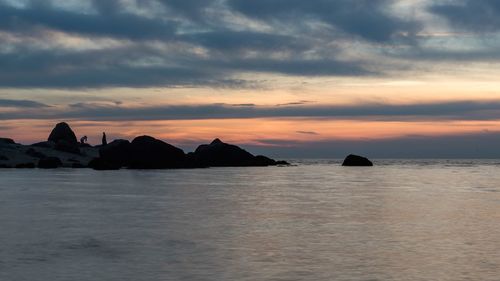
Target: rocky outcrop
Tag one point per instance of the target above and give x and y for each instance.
(34, 153)
(357, 161)
(150, 153)
(64, 138)
(101, 165)
(144, 152)
(7, 141)
(49, 163)
(117, 153)
(62, 131)
(220, 154)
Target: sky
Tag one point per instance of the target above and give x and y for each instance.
(289, 78)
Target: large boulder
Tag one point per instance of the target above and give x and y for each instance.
(62, 131)
(64, 138)
(220, 154)
(117, 153)
(357, 161)
(49, 163)
(7, 141)
(150, 153)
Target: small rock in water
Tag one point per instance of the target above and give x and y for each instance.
(357, 161)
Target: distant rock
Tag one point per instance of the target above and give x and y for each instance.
(49, 163)
(62, 131)
(25, 166)
(357, 161)
(7, 141)
(117, 152)
(220, 154)
(64, 138)
(150, 153)
(261, 160)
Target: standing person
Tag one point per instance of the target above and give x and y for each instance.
(104, 140)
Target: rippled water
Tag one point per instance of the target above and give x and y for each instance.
(401, 220)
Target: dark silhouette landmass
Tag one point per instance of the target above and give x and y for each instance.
(62, 149)
(357, 161)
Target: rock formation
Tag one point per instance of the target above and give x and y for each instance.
(117, 153)
(150, 153)
(220, 154)
(49, 163)
(62, 131)
(357, 161)
(63, 150)
(64, 138)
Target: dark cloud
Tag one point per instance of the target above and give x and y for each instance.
(367, 19)
(475, 15)
(21, 103)
(307, 133)
(383, 112)
(111, 23)
(224, 51)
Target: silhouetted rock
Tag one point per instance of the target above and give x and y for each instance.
(282, 163)
(117, 152)
(7, 141)
(261, 160)
(33, 153)
(355, 160)
(102, 165)
(62, 131)
(150, 153)
(65, 146)
(82, 145)
(25, 166)
(220, 154)
(45, 144)
(49, 163)
(64, 138)
(5, 166)
(4, 158)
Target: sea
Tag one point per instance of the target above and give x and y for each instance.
(315, 220)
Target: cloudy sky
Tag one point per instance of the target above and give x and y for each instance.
(291, 78)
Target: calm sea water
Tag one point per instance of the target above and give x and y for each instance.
(401, 220)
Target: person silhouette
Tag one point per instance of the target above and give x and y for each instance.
(83, 139)
(104, 140)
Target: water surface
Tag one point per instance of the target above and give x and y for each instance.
(400, 220)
